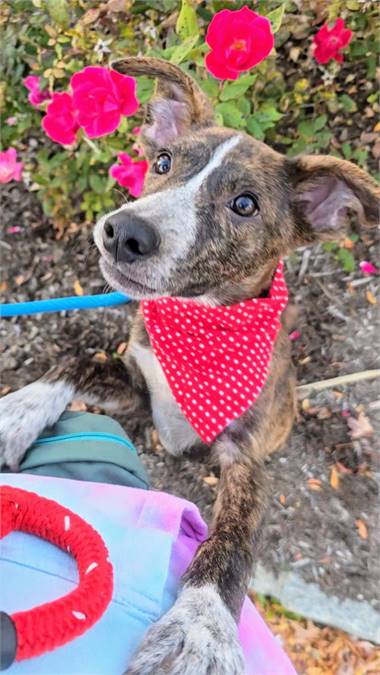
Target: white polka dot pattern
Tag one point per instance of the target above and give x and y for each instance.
(216, 359)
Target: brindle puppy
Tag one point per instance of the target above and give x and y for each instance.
(189, 236)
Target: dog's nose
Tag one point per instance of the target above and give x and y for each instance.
(129, 238)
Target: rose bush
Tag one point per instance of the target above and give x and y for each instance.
(56, 57)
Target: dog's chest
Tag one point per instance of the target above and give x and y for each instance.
(176, 434)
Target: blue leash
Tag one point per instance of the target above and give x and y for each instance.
(60, 304)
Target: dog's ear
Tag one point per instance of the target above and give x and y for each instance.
(326, 191)
(178, 104)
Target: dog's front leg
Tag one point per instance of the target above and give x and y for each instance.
(198, 636)
(26, 412)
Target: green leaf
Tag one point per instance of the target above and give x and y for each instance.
(346, 259)
(145, 88)
(348, 103)
(97, 183)
(255, 129)
(209, 86)
(320, 122)
(306, 129)
(232, 116)
(187, 22)
(330, 246)
(180, 52)
(58, 11)
(276, 17)
(347, 150)
(232, 90)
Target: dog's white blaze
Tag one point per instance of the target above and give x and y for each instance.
(173, 211)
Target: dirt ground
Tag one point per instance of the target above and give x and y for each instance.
(324, 508)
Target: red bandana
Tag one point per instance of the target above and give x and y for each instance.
(216, 359)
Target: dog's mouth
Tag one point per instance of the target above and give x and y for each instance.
(124, 284)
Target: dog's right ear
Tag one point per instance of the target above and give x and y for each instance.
(178, 104)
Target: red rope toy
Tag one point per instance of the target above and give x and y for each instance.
(43, 628)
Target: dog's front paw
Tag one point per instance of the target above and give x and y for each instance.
(198, 636)
(25, 413)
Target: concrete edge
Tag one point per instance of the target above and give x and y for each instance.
(307, 599)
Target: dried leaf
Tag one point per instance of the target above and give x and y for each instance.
(121, 348)
(100, 357)
(371, 298)
(314, 484)
(362, 529)
(78, 288)
(3, 286)
(348, 243)
(343, 469)
(360, 427)
(90, 16)
(5, 390)
(282, 499)
(78, 406)
(305, 404)
(19, 279)
(334, 478)
(211, 480)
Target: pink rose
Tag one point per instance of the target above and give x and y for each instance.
(239, 40)
(37, 95)
(60, 122)
(10, 168)
(130, 173)
(101, 96)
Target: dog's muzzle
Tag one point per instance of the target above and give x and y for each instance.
(129, 238)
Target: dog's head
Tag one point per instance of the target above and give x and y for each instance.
(219, 207)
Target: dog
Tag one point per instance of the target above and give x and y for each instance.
(218, 212)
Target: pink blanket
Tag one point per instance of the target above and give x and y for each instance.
(151, 537)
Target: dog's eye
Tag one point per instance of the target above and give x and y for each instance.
(245, 205)
(163, 163)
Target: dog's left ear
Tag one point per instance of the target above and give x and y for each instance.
(325, 191)
(178, 104)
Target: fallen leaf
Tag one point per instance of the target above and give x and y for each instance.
(211, 480)
(360, 427)
(294, 54)
(343, 469)
(19, 279)
(121, 348)
(348, 243)
(314, 484)
(78, 406)
(371, 298)
(324, 413)
(304, 361)
(334, 478)
(282, 499)
(78, 290)
(3, 286)
(362, 529)
(5, 390)
(90, 16)
(305, 404)
(100, 357)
